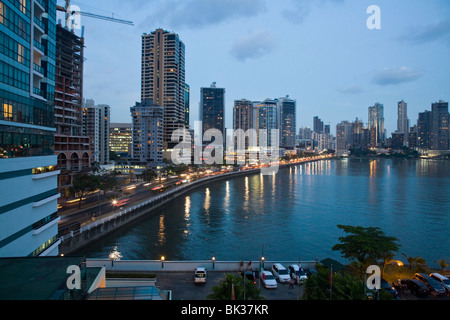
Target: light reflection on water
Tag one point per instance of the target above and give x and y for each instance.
(294, 213)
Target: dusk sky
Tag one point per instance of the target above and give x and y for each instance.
(319, 52)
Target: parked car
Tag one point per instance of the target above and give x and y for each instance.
(280, 272)
(250, 275)
(433, 285)
(310, 272)
(416, 287)
(388, 288)
(297, 273)
(444, 281)
(200, 275)
(268, 280)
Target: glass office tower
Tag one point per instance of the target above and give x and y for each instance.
(28, 174)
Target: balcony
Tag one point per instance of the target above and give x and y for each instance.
(39, 23)
(39, 45)
(38, 69)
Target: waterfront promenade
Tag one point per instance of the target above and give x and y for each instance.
(113, 218)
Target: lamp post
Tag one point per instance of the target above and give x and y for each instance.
(162, 262)
(213, 262)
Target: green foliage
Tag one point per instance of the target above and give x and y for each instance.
(223, 291)
(366, 245)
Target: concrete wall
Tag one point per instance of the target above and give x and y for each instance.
(186, 266)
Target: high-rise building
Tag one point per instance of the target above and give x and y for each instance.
(163, 80)
(287, 122)
(212, 109)
(120, 139)
(187, 98)
(344, 137)
(96, 123)
(265, 120)
(317, 125)
(71, 147)
(147, 133)
(440, 123)
(376, 125)
(424, 128)
(28, 165)
(402, 123)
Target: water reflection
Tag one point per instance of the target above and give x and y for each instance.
(296, 213)
(161, 231)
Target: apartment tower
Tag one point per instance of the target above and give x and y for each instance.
(163, 80)
(28, 165)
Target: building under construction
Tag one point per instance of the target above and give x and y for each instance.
(72, 148)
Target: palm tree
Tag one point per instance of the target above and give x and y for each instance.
(442, 264)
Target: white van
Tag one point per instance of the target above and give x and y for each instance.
(200, 275)
(280, 273)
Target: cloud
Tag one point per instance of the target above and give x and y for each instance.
(201, 13)
(301, 9)
(394, 76)
(439, 31)
(253, 46)
(353, 89)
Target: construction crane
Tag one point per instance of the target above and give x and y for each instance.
(66, 9)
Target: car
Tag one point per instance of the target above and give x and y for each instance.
(250, 275)
(388, 288)
(433, 285)
(268, 280)
(416, 287)
(310, 272)
(297, 273)
(444, 281)
(200, 275)
(280, 273)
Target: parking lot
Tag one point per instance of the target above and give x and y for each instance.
(182, 286)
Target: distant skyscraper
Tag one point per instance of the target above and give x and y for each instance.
(287, 122)
(317, 125)
(440, 123)
(265, 117)
(163, 80)
(243, 118)
(376, 125)
(212, 109)
(147, 136)
(344, 138)
(424, 128)
(187, 98)
(28, 165)
(96, 122)
(402, 121)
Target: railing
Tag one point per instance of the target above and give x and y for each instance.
(39, 45)
(38, 68)
(39, 23)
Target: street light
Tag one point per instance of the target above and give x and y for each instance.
(213, 261)
(162, 261)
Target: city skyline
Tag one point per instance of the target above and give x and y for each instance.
(326, 58)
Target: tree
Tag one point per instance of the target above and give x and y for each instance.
(366, 245)
(342, 286)
(147, 175)
(83, 184)
(233, 281)
(443, 264)
(107, 181)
